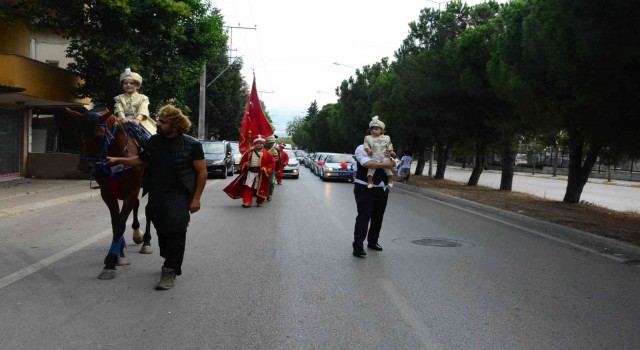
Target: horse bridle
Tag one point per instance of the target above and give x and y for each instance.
(102, 158)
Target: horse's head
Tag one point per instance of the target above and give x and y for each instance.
(92, 133)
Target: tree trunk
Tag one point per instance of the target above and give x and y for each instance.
(420, 164)
(442, 152)
(579, 171)
(507, 160)
(479, 165)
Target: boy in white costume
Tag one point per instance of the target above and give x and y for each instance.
(375, 145)
(133, 107)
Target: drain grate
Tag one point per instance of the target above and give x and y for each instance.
(434, 242)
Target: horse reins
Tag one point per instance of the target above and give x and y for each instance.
(100, 161)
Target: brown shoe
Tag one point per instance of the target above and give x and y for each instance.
(167, 279)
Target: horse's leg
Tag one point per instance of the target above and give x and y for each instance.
(110, 261)
(127, 206)
(137, 236)
(146, 245)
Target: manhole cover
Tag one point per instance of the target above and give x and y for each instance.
(432, 242)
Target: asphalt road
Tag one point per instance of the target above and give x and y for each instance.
(283, 277)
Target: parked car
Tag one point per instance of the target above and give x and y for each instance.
(315, 166)
(300, 155)
(306, 161)
(237, 155)
(292, 168)
(337, 167)
(218, 157)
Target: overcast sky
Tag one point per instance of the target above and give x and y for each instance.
(296, 42)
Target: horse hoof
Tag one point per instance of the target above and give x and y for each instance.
(123, 261)
(107, 274)
(137, 236)
(146, 249)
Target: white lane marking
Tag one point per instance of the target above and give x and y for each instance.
(37, 266)
(526, 229)
(410, 316)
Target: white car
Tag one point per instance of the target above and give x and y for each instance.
(292, 169)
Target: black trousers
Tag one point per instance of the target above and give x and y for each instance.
(169, 212)
(371, 204)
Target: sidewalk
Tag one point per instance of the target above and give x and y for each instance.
(528, 174)
(21, 195)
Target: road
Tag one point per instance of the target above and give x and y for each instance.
(290, 282)
(620, 198)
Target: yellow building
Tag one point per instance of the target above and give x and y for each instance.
(34, 85)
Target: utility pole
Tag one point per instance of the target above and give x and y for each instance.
(203, 84)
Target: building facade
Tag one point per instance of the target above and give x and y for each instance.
(34, 86)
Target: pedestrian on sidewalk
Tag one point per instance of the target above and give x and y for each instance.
(370, 202)
(404, 169)
(176, 180)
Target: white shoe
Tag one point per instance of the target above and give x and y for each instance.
(369, 185)
(390, 184)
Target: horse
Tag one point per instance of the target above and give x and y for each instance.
(100, 136)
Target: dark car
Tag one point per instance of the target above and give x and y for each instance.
(218, 157)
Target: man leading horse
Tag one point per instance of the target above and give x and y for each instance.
(177, 176)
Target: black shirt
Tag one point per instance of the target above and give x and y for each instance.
(161, 156)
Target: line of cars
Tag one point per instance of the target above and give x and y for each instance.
(223, 159)
(219, 158)
(330, 166)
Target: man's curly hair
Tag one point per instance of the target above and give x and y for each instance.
(175, 117)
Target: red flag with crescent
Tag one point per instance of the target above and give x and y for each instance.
(254, 121)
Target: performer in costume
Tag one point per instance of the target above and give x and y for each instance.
(270, 142)
(132, 108)
(284, 160)
(256, 166)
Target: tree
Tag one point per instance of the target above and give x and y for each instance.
(167, 42)
(574, 72)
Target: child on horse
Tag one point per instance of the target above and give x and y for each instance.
(132, 108)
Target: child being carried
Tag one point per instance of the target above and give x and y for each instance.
(375, 145)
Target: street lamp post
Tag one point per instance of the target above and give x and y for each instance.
(340, 64)
(438, 2)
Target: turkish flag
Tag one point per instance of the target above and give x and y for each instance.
(254, 121)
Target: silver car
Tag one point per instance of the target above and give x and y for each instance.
(292, 168)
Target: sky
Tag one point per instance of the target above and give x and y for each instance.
(292, 45)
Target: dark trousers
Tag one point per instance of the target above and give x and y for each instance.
(169, 212)
(371, 204)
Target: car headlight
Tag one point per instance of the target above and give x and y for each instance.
(218, 162)
(329, 169)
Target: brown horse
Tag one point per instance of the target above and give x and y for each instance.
(101, 136)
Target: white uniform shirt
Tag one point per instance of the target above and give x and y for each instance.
(362, 157)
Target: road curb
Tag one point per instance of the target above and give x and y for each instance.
(617, 250)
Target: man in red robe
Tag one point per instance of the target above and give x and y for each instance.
(284, 160)
(256, 166)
